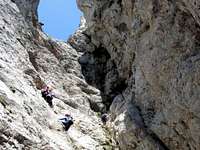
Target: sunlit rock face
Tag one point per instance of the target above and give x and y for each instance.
(144, 57)
(30, 59)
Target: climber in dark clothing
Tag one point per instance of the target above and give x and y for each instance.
(48, 95)
(104, 118)
(67, 121)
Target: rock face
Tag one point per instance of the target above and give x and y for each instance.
(144, 56)
(28, 60)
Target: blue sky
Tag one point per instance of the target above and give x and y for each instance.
(60, 17)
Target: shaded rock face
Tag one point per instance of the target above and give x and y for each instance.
(149, 69)
(29, 60)
(98, 68)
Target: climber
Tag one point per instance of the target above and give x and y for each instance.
(104, 118)
(44, 91)
(48, 95)
(67, 121)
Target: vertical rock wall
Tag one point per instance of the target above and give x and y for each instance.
(144, 57)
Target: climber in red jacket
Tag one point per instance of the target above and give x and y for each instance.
(48, 95)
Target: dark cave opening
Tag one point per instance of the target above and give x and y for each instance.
(101, 72)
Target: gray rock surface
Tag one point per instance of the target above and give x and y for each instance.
(30, 59)
(145, 61)
(142, 55)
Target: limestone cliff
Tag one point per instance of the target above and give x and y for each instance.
(144, 56)
(28, 60)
